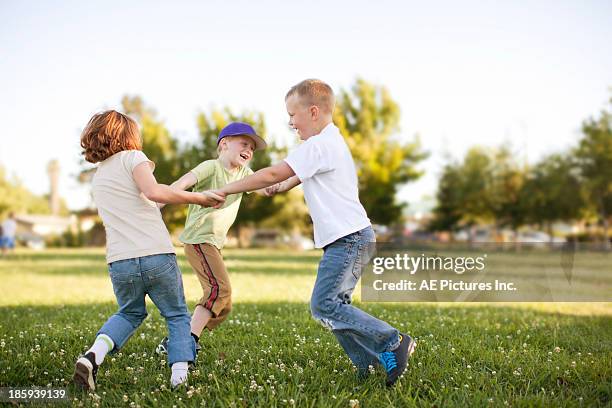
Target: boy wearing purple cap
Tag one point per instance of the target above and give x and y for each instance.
(324, 166)
(205, 230)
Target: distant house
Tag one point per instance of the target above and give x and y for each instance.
(33, 228)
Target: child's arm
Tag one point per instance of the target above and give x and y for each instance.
(282, 187)
(258, 180)
(183, 183)
(145, 180)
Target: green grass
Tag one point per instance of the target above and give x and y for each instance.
(271, 353)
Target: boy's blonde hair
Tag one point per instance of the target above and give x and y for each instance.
(314, 92)
(107, 133)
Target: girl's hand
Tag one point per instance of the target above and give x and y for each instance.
(210, 199)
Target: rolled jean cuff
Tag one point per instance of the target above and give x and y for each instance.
(179, 351)
(394, 342)
(118, 329)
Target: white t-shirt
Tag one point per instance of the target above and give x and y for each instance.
(9, 227)
(133, 223)
(324, 165)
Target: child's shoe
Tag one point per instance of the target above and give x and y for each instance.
(395, 362)
(162, 347)
(85, 372)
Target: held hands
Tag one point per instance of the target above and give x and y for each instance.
(273, 189)
(212, 199)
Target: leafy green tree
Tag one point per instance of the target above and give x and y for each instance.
(505, 198)
(594, 155)
(552, 192)
(14, 197)
(464, 193)
(369, 119)
(447, 214)
(291, 214)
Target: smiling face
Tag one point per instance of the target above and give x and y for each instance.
(237, 150)
(302, 118)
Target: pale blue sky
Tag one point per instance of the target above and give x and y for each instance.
(463, 73)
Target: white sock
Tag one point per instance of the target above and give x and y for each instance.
(179, 373)
(101, 347)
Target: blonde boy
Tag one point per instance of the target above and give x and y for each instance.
(206, 228)
(324, 166)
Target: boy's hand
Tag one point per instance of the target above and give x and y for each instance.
(273, 189)
(210, 199)
(219, 193)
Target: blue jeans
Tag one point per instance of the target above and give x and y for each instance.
(7, 242)
(361, 336)
(159, 277)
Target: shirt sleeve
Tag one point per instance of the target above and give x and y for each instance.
(204, 170)
(308, 160)
(138, 157)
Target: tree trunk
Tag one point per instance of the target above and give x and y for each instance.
(515, 238)
(605, 234)
(549, 230)
(471, 236)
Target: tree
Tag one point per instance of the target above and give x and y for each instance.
(464, 193)
(448, 212)
(369, 118)
(14, 197)
(594, 155)
(552, 192)
(507, 180)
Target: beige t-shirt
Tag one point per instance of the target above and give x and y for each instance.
(133, 223)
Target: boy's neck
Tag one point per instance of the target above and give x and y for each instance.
(227, 165)
(323, 124)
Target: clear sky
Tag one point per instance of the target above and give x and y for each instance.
(463, 73)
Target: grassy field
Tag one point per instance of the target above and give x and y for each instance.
(271, 353)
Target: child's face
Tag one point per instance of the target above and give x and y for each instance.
(300, 117)
(238, 149)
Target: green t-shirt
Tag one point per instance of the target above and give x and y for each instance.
(207, 225)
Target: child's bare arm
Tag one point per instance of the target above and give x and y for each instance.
(145, 180)
(260, 179)
(282, 187)
(183, 183)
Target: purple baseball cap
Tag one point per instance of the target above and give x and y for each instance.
(242, 129)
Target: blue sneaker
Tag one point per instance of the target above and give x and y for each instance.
(395, 362)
